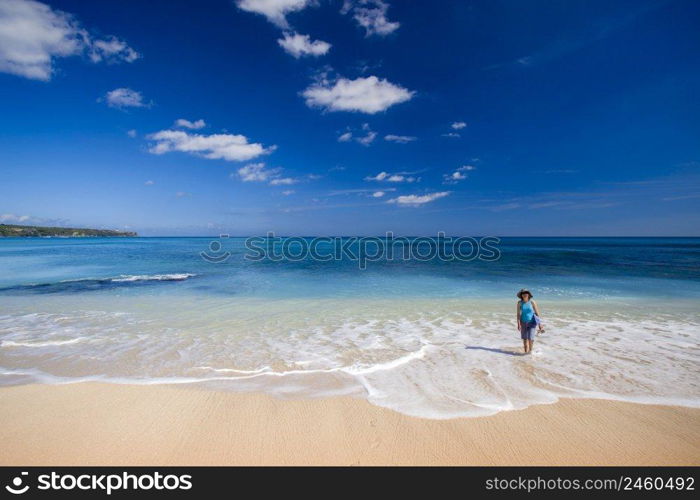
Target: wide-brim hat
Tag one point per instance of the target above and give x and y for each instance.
(522, 291)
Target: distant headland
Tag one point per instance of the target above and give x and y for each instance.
(10, 230)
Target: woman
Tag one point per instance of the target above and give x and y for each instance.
(527, 309)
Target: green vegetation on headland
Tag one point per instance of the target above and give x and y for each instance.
(8, 230)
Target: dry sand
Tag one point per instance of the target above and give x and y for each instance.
(103, 424)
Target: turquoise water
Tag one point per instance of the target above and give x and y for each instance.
(429, 338)
(557, 267)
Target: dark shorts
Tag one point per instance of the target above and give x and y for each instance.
(527, 332)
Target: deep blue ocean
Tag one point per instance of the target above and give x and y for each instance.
(552, 267)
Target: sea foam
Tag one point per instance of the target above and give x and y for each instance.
(432, 358)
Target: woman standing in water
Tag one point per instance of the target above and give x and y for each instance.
(527, 309)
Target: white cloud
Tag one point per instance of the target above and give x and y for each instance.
(413, 200)
(364, 192)
(131, 133)
(124, 98)
(458, 125)
(458, 174)
(229, 147)
(365, 140)
(401, 178)
(400, 139)
(371, 15)
(451, 134)
(31, 220)
(195, 125)
(111, 50)
(368, 139)
(366, 95)
(300, 45)
(12, 218)
(378, 194)
(33, 35)
(287, 192)
(183, 194)
(505, 206)
(274, 10)
(454, 176)
(379, 177)
(384, 176)
(256, 172)
(149, 183)
(283, 181)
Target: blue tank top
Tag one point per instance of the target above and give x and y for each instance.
(526, 311)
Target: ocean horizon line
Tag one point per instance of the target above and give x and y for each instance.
(349, 236)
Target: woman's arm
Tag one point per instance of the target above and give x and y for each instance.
(534, 306)
(537, 311)
(517, 315)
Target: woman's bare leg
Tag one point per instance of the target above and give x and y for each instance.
(525, 346)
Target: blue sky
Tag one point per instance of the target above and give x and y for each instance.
(352, 117)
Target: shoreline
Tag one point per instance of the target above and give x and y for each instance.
(92, 423)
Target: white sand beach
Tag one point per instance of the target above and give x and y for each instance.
(109, 424)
